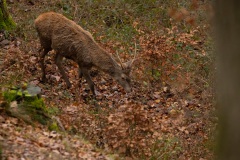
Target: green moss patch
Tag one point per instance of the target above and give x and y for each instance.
(6, 22)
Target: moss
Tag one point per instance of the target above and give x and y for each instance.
(6, 22)
(37, 110)
(12, 95)
(53, 127)
(36, 103)
(28, 104)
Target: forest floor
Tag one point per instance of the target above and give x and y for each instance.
(162, 118)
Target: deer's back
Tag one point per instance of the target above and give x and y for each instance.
(64, 36)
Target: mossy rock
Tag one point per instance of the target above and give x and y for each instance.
(25, 103)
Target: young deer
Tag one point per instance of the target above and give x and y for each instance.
(71, 41)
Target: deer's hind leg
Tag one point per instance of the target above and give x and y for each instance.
(58, 61)
(80, 75)
(86, 75)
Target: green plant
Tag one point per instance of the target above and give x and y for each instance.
(165, 149)
(53, 127)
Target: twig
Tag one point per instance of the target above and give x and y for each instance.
(4, 70)
(59, 123)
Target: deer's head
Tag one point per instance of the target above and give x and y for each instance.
(123, 77)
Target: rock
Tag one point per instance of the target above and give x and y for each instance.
(4, 42)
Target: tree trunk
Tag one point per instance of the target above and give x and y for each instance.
(228, 59)
(6, 22)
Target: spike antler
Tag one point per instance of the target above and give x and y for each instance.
(135, 53)
(129, 63)
(119, 60)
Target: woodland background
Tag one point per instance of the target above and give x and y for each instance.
(169, 114)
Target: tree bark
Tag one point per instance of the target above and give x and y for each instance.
(228, 66)
(6, 22)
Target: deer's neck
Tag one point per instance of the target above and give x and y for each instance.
(106, 63)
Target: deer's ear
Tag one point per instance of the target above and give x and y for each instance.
(127, 65)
